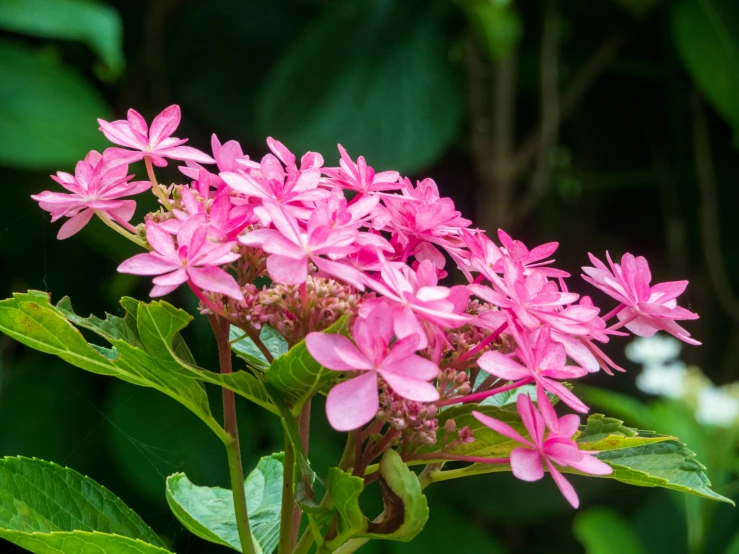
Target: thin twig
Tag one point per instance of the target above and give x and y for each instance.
(579, 86)
(549, 106)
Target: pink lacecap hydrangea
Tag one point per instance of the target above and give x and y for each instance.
(375, 231)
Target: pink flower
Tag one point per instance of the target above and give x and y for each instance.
(355, 402)
(270, 182)
(416, 295)
(194, 259)
(532, 260)
(291, 248)
(227, 157)
(156, 143)
(528, 461)
(361, 177)
(308, 161)
(532, 298)
(543, 363)
(644, 309)
(93, 188)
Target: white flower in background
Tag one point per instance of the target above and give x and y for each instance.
(655, 350)
(717, 406)
(663, 379)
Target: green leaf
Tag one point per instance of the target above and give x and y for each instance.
(47, 508)
(601, 433)
(34, 132)
(344, 490)
(76, 542)
(706, 33)
(406, 509)
(508, 398)
(400, 486)
(668, 464)
(96, 24)
(208, 512)
(245, 348)
(604, 531)
(297, 376)
(32, 320)
(400, 105)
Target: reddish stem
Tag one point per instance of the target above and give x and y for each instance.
(477, 396)
(613, 312)
(452, 457)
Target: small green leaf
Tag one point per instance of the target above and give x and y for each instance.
(47, 508)
(604, 531)
(34, 132)
(706, 33)
(297, 376)
(344, 490)
(602, 433)
(406, 508)
(96, 24)
(208, 512)
(244, 347)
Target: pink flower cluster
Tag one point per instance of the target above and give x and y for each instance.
(380, 233)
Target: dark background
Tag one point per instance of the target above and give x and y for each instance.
(639, 102)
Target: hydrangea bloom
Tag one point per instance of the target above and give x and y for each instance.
(372, 247)
(94, 188)
(156, 143)
(546, 450)
(644, 309)
(355, 402)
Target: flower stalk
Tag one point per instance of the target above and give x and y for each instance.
(233, 449)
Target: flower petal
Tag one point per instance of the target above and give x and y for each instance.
(324, 348)
(526, 464)
(353, 403)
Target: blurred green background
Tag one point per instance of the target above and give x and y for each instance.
(603, 125)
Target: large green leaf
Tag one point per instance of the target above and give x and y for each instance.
(707, 36)
(400, 104)
(94, 23)
(668, 464)
(80, 542)
(47, 508)
(603, 531)
(33, 321)
(297, 376)
(34, 132)
(208, 512)
(637, 457)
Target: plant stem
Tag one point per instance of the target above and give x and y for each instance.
(477, 396)
(288, 501)
(233, 449)
(351, 546)
(118, 229)
(155, 185)
(305, 542)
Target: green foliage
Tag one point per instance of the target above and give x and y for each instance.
(297, 376)
(667, 464)
(95, 24)
(405, 506)
(34, 132)
(497, 23)
(32, 320)
(244, 347)
(707, 41)
(50, 509)
(641, 458)
(401, 101)
(604, 531)
(208, 512)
